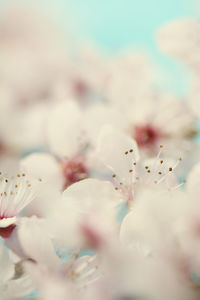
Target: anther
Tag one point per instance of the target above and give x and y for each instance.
(161, 161)
(126, 153)
(170, 169)
(131, 150)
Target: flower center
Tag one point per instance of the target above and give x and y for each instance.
(7, 231)
(146, 135)
(81, 89)
(74, 170)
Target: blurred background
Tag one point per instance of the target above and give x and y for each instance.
(91, 51)
(117, 24)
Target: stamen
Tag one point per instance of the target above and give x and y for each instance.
(178, 186)
(170, 170)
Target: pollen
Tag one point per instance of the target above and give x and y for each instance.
(126, 153)
(170, 169)
(131, 150)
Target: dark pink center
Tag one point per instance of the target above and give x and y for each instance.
(7, 231)
(74, 171)
(80, 87)
(146, 136)
(92, 237)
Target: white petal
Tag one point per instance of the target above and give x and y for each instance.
(90, 193)
(7, 268)
(19, 287)
(100, 116)
(193, 181)
(35, 242)
(179, 38)
(44, 166)
(64, 129)
(7, 222)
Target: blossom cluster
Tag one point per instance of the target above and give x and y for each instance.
(99, 167)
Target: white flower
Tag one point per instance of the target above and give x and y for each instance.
(13, 285)
(180, 38)
(85, 215)
(120, 154)
(16, 193)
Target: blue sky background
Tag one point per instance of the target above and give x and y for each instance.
(117, 24)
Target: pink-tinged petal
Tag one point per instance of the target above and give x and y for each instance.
(5, 222)
(74, 170)
(7, 231)
(16, 192)
(7, 225)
